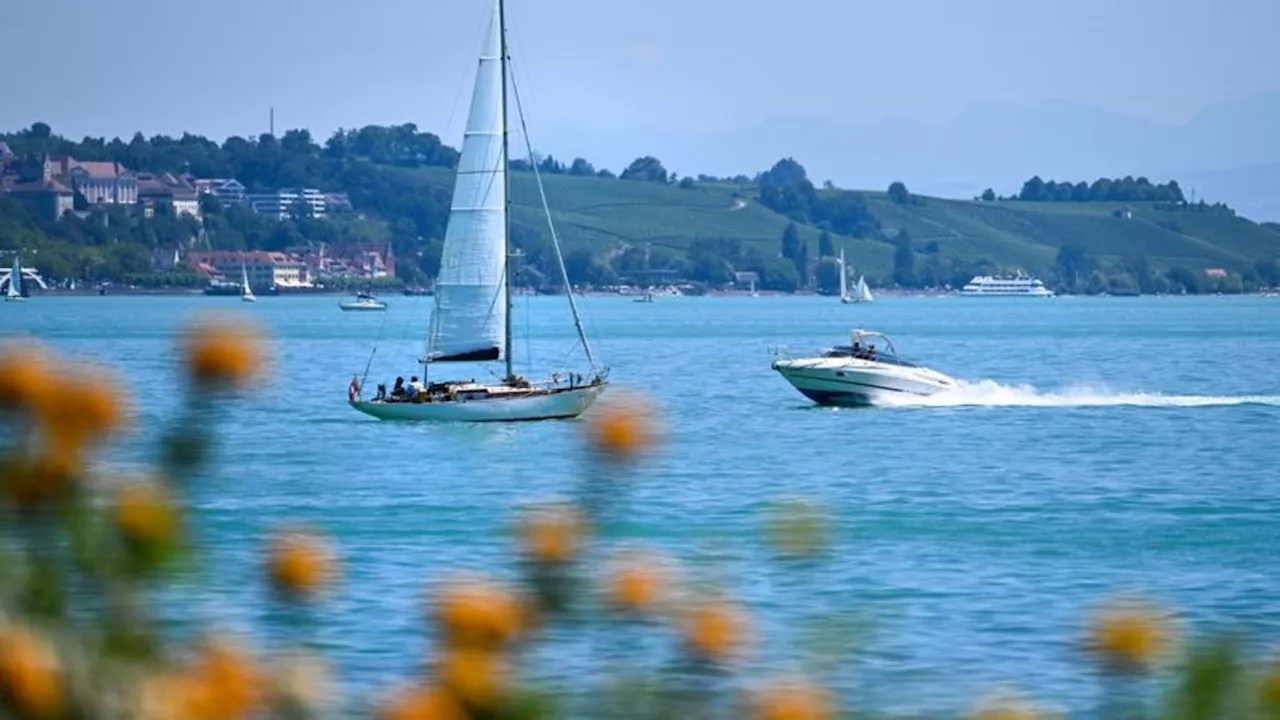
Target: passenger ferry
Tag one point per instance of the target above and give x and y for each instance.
(1005, 286)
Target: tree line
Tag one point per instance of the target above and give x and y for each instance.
(1126, 189)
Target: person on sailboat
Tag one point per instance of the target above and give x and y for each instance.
(415, 388)
(397, 391)
(353, 390)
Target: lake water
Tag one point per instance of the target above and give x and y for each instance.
(1099, 445)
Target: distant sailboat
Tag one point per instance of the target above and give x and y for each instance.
(14, 293)
(844, 281)
(862, 293)
(472, 318)
(647, 296)
(246, 292)
(753, 289)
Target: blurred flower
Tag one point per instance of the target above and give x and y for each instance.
(714, 630)
(145, 515)
(1129, 635)
(78, 406)
(476, 677)
(229, 678)
(798, 529)
(303, 681)
(300, 564)
(621, 428)
(24, 376)
(30, 675)
(475, 614)
(635, 581)
(422, 704)
(222, 354)
(171, 695)
(792, 700)
(552, 534)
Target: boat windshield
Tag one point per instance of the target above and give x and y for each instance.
(861, 353)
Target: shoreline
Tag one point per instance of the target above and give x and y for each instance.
(196, 292)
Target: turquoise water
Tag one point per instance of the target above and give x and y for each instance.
(1098, 445)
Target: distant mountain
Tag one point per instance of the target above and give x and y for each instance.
(1224, 150)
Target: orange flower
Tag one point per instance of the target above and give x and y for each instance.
(80, 406)
(222, 354)
(169, 696)
(714, 630)
(477, 615)
(29, 674)
(24, 376)
(1129, 636)
(621, 429)
(422, 704)
(1007, 706)
(476, 677)
(300, 564)
(145, 515)
(233, 684)
(635, 582)
(792, 700)
(552, 534)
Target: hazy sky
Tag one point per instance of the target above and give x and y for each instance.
(701, 66)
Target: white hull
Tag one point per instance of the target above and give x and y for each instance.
(15, 298)
(362, 307)
(1043, 294)
(535, 406)
(248, 298)
(851, 381)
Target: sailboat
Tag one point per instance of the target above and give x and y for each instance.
(14, 293)
(844, 281)
(861, 292)
(471, 318)
(647, 295)
(246, 292)
(753, 289)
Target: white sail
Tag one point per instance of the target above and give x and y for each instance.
(844, 278)
(471, 293)
(15, 278)
(244, 281)
(862, 291)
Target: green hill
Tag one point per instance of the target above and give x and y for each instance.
(600, 213)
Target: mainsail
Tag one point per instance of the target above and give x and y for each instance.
(15, 278)
(469, 321)
(844, 277)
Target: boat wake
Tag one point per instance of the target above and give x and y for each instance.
(988, 393)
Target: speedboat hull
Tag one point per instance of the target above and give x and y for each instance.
(858, 382)
(362, 306)
(508, 406)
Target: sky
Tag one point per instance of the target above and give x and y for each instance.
(696, 67)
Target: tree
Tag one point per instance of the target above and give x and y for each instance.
(1182, 279)
(581, 167)
(784, 173)
(778, 274)
(646, 169)
(988, 195)
(825, 247)
(904, 260)
(827, 276)
(1033, 190)
(1268, 271)
(687, 183)
(790, 242)
(898, 193)
(1073, 266)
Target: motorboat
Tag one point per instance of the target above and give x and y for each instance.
(363, 301)
(864, 372)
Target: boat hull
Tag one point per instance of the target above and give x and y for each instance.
(853, 382)
(556, 405)
(356, 307)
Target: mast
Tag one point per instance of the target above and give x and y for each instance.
(506, 186)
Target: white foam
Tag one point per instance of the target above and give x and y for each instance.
(988, 393)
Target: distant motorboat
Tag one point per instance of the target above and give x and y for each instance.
(363, 302)
(646, 297)
(860, 373)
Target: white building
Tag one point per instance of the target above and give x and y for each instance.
(280, 204)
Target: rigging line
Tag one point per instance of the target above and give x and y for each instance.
(381, 326)
(555, 240)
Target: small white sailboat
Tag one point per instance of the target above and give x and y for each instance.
(844, 281)
(246, 292)
(471, 319)
(364, 302)
(646, 296)
(14, 293)
(862, 293)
